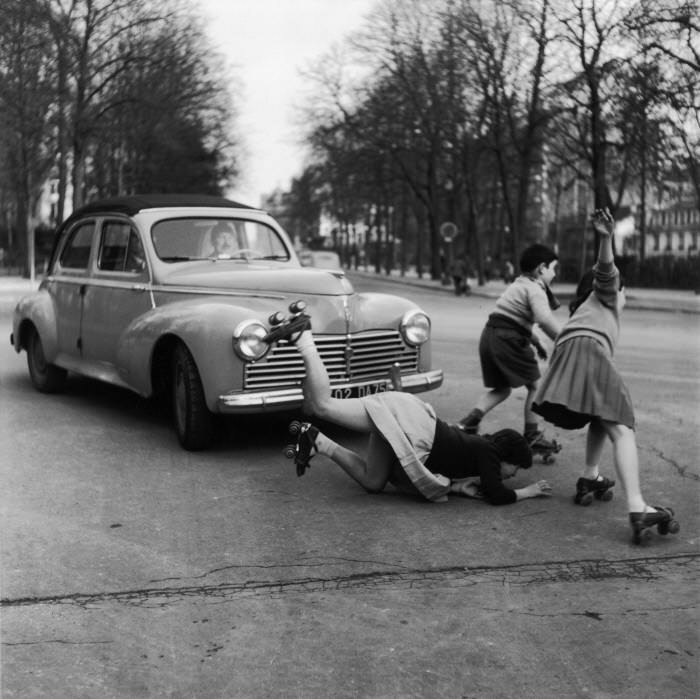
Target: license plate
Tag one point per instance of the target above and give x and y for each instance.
(358, 391)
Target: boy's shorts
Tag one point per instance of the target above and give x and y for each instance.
(507, 358)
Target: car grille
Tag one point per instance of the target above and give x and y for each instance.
(361, 357)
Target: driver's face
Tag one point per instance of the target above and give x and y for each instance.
(224, 241)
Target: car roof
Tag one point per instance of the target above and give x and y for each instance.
(134, 203)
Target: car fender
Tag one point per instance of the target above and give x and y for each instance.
(38, 309)
(206, 329)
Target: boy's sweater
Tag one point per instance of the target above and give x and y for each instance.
(525, 301)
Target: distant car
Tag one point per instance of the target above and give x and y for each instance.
(138, 295)
(325, 259)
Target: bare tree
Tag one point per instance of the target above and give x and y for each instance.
(26, 105)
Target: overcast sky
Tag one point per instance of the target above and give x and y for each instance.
(267, 42)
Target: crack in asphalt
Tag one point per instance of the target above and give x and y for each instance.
(60, 641)
(646, 568)
(321, 564)
(682, 470)
(597, 616)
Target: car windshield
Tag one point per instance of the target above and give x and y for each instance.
(182, 239)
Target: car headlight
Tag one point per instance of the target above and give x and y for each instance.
(415, 327)
(248, 340)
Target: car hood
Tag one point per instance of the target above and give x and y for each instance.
(236, 276)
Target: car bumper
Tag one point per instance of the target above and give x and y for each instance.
(290, 398)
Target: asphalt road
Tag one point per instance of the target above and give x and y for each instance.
(133, 569)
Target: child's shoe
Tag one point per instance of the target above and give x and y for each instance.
(470, 423)
(539, 444)
(305, 447)
(589, 488)
(662, 518)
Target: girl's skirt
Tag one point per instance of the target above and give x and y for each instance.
(580, 384)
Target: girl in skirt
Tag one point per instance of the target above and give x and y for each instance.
(582, 387)
(408, 446)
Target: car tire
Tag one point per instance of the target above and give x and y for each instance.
(46, 377)
(194, 422)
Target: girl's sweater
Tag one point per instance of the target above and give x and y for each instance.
(598, 316)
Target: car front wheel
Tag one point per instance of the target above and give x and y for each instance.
(193, 421)
(47, 378)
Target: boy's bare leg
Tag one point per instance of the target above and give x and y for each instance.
(529, 417)
(489, 400)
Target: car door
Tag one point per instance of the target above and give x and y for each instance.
(67, 286)
(118, 292)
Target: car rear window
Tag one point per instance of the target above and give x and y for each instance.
(76, 253)
(177, 240)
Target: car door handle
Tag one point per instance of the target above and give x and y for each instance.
(139, 287)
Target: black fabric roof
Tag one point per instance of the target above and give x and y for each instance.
(135, 203)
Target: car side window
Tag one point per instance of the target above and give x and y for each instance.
(76, 253)
(120, 248)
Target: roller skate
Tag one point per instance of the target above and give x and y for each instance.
(546, 448)
(290, 327)
(663, 519)
(589, 488)
(304, 449)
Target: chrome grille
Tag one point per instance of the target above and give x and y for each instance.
(365, 356)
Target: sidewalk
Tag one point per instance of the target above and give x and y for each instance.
(637, 298)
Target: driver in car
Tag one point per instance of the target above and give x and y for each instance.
(223, 239)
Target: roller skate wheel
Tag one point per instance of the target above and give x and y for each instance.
(674, 527)
(289, 451)
(547, 459)
(585, 499)
(297, 307)
(662, 528)
(604, 495)
(294, 427)
(276, 318)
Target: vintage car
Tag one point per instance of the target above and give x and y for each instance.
(171, 296)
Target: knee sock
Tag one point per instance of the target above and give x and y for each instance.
(325, 445)
(591, 472)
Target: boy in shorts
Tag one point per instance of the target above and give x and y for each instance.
(506, 345)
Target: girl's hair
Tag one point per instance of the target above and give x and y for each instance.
(584, 289)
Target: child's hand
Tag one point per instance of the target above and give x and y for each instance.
(534, 490)
(603, 222)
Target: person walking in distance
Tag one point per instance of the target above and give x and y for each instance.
(582, 387)
(506, 345)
